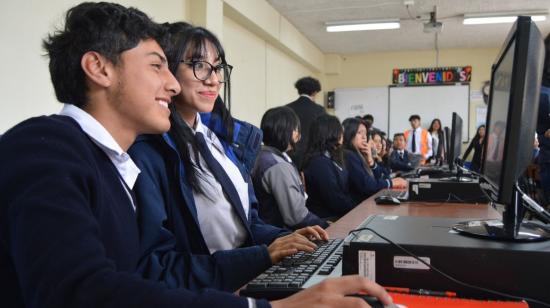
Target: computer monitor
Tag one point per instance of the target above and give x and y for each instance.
(455, 143)
(512, 116)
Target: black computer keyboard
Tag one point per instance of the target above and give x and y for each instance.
(297, 272)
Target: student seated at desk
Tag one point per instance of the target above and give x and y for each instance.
(399, 157)
(325, 175)
(277, 183)
(70, 233)
(380, 154)
(211, 233)
(365, 175)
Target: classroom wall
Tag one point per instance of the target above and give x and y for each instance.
(268, 55)
(375, 69)
(25, 81)
(263, 76)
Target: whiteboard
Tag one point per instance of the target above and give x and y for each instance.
(429, 102)
(351, 102)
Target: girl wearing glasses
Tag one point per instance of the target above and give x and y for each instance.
(201, 227)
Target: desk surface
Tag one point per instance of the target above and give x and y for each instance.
(348, 222)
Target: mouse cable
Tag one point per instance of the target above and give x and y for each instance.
(471, 286)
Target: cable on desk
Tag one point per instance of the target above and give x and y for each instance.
(471, 286)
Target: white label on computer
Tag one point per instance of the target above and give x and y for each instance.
(391, 217)
(415, 188)
(364, 238)
(367, 264)
(410, 262)
(425, 185)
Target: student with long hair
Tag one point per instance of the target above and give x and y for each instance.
(477, 146)
(365, 175)
(195, 190)
(380, 153)
(438, 142)
(324, 170)
(277, 183)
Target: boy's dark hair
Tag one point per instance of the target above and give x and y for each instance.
(414, 117)
(107, 28)
(277, 125)
(398, 135)
(324, 134)
(307, 85)
(368, 117)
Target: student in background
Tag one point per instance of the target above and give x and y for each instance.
(418, 140)
(369, 122)
(200, 224)
(477, 146)
(399, 157)
(325, 175)
(307, 110)
(281, 194)
(365, 175)
(438, 142)
(381, 155)
(543, 125)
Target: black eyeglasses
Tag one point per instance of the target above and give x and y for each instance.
(202, 70)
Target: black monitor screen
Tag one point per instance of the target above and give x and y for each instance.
(502, 82)
(456, 140)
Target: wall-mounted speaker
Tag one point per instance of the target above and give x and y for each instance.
(330, 99)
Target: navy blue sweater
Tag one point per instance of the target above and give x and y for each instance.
(543, 124)
(327, 187)
(177, 252)
(362, 184)
(68, 233)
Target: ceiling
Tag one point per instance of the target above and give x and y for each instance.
(309, 17)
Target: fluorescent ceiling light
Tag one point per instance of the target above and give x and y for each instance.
(361, 25)
(497, 18)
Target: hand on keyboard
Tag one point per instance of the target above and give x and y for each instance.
(399, 183)
(300, 240)
(313, 233)
(332, 293)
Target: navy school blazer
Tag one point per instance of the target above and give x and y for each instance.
(327, 187)
(69, 236)
(176, 250)
(398, 164)
(362, 184)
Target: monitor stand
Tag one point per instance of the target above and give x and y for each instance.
(510, 228)
(459, 178)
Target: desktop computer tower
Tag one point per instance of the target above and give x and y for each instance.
(518, 269)
(446, 190)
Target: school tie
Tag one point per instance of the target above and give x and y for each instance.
(414, 141)
(220, 175)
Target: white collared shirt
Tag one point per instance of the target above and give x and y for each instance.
(418, 141)
(101, 137)
(220, 224)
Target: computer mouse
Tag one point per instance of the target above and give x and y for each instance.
(387, 200)
(375, 302)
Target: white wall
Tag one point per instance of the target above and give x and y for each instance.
(263, 75)
(24, 79)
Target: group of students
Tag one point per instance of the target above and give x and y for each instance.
(142, 191)
(341, 165)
